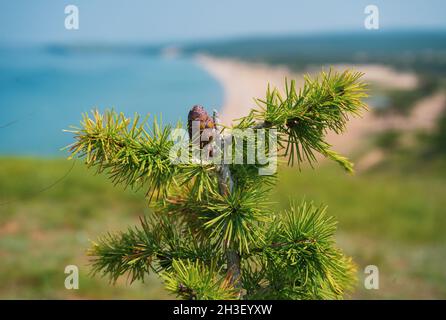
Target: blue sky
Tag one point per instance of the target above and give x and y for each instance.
(151, 21)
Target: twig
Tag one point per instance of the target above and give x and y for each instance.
(226, 185)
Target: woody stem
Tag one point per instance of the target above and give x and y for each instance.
(226, 185)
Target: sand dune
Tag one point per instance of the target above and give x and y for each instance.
(383, 75)
(242, 82)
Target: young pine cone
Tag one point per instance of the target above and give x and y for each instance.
(198, 113)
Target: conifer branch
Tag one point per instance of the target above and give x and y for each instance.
(212, 234)
(299, 254)
(196, 281)
(226, 186)
(152, 247)
(131, 153)
(303, 117)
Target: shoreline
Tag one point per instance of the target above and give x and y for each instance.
(243, 81)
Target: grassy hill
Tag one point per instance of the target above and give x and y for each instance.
(49, 210)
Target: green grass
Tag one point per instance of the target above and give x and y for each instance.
(394, 220)
(407, 208)
(42, 232)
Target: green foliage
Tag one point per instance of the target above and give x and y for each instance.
(403, 101)
(388, 140)
(201, 178)
(151, 247)
(131, 154)
(304, 116)
(196, 281)
(213, 235)
(400, 101)
(421, 151)
(299, 259)
(234, 219)
(437, 141)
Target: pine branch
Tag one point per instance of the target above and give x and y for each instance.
(299, 259)
(196, 281)
(131, 153)
(150, 248)
(212, 234)
(226, 186)
(303, 117)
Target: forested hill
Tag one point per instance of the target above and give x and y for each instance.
(423, 51)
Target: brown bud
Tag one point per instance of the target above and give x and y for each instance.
(198, 113)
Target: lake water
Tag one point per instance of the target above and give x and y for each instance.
(42, 93)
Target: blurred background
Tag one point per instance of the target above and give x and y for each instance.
(163, 57)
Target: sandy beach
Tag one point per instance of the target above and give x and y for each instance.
(242, 82)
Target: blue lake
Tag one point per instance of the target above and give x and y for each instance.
(42, 93)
